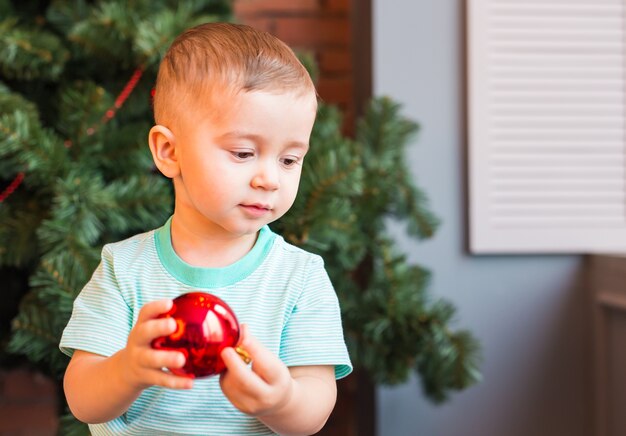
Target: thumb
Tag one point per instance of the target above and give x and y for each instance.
(264, 363)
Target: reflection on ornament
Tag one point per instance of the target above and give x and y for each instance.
(205, 325)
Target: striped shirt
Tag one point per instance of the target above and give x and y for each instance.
(282, 292)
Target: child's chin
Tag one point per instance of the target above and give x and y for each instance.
(249, 229)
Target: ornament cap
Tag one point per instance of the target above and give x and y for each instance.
(243, 354)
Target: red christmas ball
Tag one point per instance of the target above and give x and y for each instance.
(205, 325)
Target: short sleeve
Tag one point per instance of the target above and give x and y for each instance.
(313, 334)
(101, 320)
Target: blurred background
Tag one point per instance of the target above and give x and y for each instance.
(548, 319)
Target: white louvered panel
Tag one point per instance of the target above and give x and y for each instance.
(546, 118)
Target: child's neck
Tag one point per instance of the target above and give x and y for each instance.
(209, 250)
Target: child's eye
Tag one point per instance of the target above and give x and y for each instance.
(290, 161)
(242, 155)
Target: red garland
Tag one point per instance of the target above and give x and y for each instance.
(119, 101)
(110, 113)
(17, 181)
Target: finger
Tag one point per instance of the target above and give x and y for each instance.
(264, 363)
(234, 364)
(154, 309)
(151, 329)
(237, 369)
(157, 359)
(166, 379)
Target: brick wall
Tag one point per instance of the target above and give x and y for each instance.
(320, 27)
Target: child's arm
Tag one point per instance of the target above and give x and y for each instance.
(99, 389)
(290, 401)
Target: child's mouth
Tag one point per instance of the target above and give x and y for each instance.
(255, 209)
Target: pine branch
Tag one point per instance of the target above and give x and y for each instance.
(411, 204)
(136, 203)
(29, 54)
(50, 283)
(34, 150)
(325, 186)
(385, 134)
(18, 238)
(81, 105)
(63, 15)
(449, 362)
(323, 218)
(15, 133)
(37, 331)
(393, 328)
(106, 32)
(154, 36)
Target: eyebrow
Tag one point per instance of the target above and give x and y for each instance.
(258, 139)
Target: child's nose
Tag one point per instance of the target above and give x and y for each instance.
(266, 177)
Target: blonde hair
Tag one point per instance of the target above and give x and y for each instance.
(224, 56)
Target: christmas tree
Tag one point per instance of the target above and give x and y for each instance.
(75, 173)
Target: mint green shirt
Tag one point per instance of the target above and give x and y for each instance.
(282, 292)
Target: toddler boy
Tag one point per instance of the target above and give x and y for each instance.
(234, 110)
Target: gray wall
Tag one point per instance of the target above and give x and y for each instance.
(529, 312)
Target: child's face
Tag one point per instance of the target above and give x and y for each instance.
(240, 168)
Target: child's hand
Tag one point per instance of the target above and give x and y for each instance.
(264, 389)
(142, 365)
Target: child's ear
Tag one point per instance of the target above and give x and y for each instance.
(163, 147)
